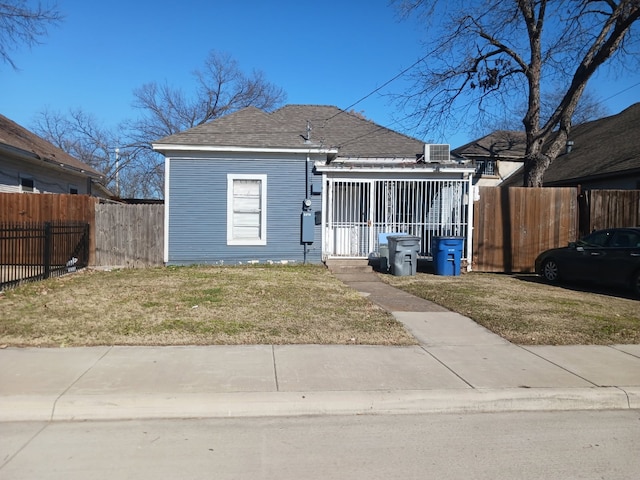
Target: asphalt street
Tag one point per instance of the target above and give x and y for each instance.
(515, 445)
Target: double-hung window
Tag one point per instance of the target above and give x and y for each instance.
(246, 209)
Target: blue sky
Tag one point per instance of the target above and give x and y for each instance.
(331, 52)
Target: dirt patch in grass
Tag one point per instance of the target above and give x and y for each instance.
(301, 304)
(526, 311)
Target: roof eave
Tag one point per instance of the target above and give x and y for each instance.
(592, 177)
(164, 148)
(19, 153)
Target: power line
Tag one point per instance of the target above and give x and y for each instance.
(380, 87)
(620, 92)
(403, 72)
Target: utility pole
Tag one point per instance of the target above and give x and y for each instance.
(118, 172)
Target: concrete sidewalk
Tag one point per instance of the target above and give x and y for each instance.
(458, 367)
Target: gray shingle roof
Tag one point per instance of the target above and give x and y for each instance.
(18, 137)
(608, 146)
(286, 127)
(501, 144)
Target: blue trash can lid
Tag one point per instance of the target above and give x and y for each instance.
(383, 237)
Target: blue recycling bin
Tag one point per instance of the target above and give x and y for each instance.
(447, 255)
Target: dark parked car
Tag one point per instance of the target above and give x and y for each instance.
(610, 257)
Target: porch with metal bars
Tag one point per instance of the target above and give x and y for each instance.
(357, 210)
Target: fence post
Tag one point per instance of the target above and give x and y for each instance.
(46, 254)
(85, 245)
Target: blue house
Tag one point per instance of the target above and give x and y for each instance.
(305, 183)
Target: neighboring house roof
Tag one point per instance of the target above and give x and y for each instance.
(604, 148)
(18, 141)
(499, 145)
(286, 128)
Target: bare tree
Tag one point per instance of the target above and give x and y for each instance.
(488, 54)
(589, 108)
(82, 136)
(221, 88)
(22, 24)
(136, 170)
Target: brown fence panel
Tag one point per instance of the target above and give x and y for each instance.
(512, 226)
(613, 208)
(45, 207)
(129, 235)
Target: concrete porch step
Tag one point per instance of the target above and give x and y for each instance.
(338, 265)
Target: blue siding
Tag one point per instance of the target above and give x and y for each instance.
(198, 210)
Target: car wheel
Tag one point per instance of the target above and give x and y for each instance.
(550, 271)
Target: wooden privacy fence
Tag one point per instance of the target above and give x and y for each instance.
(513, 225)
(27, 207)
(611, 208)
(119, 234)
(45, 207)
(129, 235)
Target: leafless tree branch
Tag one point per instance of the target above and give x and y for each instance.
(22, 24)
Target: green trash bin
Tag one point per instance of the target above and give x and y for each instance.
(403, 254)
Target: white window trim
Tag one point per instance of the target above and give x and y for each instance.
(263, 208)
(33, 188)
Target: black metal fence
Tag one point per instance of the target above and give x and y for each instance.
(35, 251)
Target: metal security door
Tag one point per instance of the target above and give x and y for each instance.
(350, 210)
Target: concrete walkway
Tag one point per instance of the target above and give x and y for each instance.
(458, 367)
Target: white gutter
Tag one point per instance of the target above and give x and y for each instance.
(393, 169)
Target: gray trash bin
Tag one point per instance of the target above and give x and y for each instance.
(383, 251)
(403, 254)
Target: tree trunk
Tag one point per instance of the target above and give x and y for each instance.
(535, 164)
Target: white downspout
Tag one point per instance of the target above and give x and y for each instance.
(167, 199)
(470, 202)
(324, 231)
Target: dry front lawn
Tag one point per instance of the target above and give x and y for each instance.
(301, 304)
(524, 310)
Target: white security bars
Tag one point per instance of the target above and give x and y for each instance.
(358, 210)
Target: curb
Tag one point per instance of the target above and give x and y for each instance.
(275, 404)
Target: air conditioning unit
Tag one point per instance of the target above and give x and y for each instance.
(438, 153)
